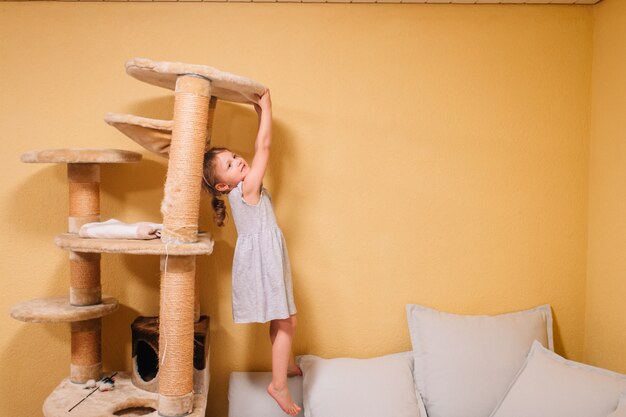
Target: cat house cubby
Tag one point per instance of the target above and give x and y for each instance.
(170, 375)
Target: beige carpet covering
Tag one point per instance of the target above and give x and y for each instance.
(224, 85)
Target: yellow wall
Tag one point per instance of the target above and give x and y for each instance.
(605, 335)
(423, 154)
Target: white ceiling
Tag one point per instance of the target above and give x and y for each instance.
(555, 2)
(504, 1)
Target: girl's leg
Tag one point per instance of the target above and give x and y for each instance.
(281, 352)
(292, 368)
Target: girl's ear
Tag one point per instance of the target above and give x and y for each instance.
(221, 187)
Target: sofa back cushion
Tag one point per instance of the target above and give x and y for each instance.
(549, 385)
(344, 387)
(464, 364)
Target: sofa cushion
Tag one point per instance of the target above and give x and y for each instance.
(464, 364)
(549, 385)
(247, 395)
(343, 387)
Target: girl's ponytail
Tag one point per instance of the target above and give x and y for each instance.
(208, 184)
(220, 210)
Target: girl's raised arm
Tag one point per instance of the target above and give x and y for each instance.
(253, 180)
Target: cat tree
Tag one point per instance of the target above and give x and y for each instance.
(180, 388)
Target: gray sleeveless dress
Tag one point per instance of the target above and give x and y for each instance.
(262, 289)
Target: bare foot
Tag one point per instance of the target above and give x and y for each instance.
(294, 370)
(284, 400)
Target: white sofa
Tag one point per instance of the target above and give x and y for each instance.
(460, 366)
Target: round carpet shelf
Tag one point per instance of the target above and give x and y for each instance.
(71, 241)
(81, 156)
(225, 86)
(59, 310)
(153, 134)
(115, 119)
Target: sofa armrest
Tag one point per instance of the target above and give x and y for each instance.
(248, 397)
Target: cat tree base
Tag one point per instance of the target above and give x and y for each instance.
(125, 400)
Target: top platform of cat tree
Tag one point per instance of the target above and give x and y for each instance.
(81, 156)
(225, 86)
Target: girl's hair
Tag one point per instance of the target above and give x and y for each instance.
(209, 180)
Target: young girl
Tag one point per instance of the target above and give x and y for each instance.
(262, 288)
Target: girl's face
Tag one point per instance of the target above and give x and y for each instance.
(230, 170)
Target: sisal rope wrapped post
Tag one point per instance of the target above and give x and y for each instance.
(181, 203)
(196, 302)
(196, 298)
(176, 336)
(85, 288)
(84, 207)
(86, 360)
(180, 209)
(84, 183)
